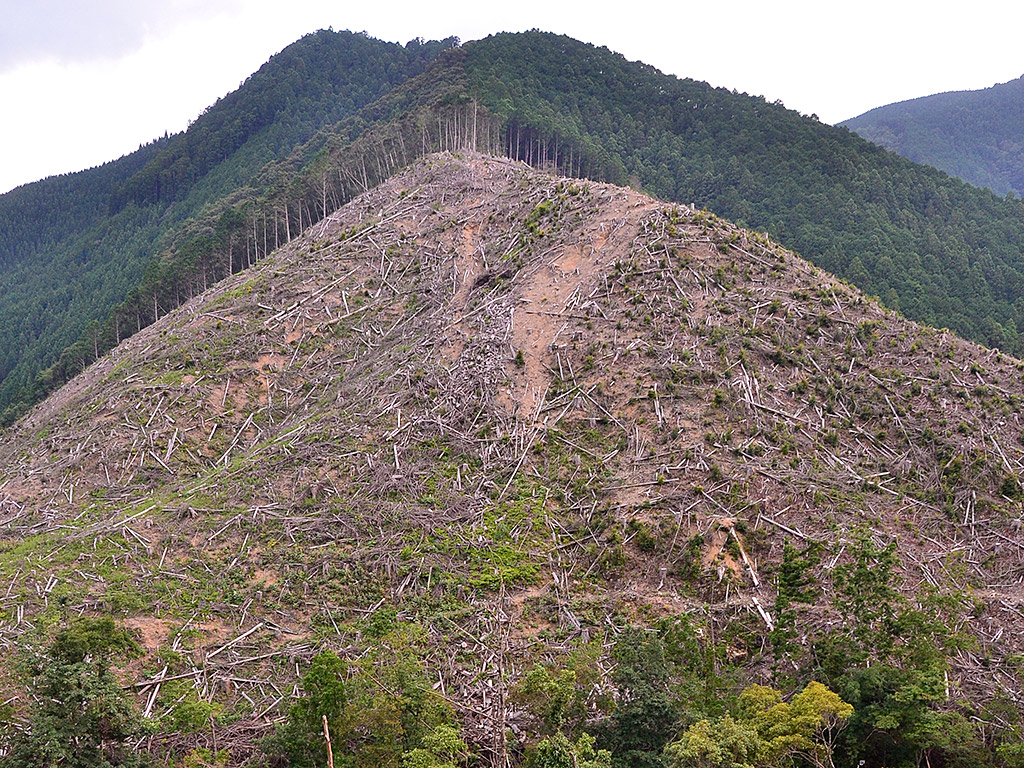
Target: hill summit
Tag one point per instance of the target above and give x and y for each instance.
(88, 259)
(504, 434)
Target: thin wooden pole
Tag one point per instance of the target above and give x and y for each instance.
(327, 738)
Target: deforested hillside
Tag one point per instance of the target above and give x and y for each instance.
(493, 463)
(76, 251)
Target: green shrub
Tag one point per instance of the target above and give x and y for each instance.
(80, 716)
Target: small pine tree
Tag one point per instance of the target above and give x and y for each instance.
(80, 717)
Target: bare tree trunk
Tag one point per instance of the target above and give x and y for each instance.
(327, 738)
(474, 125)
(401, 144)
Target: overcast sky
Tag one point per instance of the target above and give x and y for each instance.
(86, 81)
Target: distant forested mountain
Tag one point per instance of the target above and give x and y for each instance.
(88, 259)
(975, 135)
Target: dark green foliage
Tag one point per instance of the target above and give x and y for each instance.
(702, 679)
(1011, 753)
(646, 713)
(795, 584)
(561, 697)
(1010, 487)
(323, 78)
(688, 564)
(381, 711)
(80, 716)
(867, 599)
(898, 720)
(551, 696)
(975, 135)
(890, 662)
(558, 752)
(442, 747)
(891, 712)
(301, 739)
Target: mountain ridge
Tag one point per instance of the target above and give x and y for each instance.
(76, 250)
(932, 247)
(972, 134)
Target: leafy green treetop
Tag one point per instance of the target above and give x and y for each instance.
(724, 743)
(443, 747)
(380, 709)
(806, 726)
(766, 731)
(558, 752)
(80, 716)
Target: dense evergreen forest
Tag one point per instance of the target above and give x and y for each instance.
(100, 254)
(977, 136)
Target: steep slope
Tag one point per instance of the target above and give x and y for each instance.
(74, 247)
(934, 248)
(975, 135)
(512, 415)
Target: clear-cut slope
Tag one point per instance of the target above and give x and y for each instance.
(82, 253)
(520, 411)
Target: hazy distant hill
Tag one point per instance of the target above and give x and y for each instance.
(975, 135)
